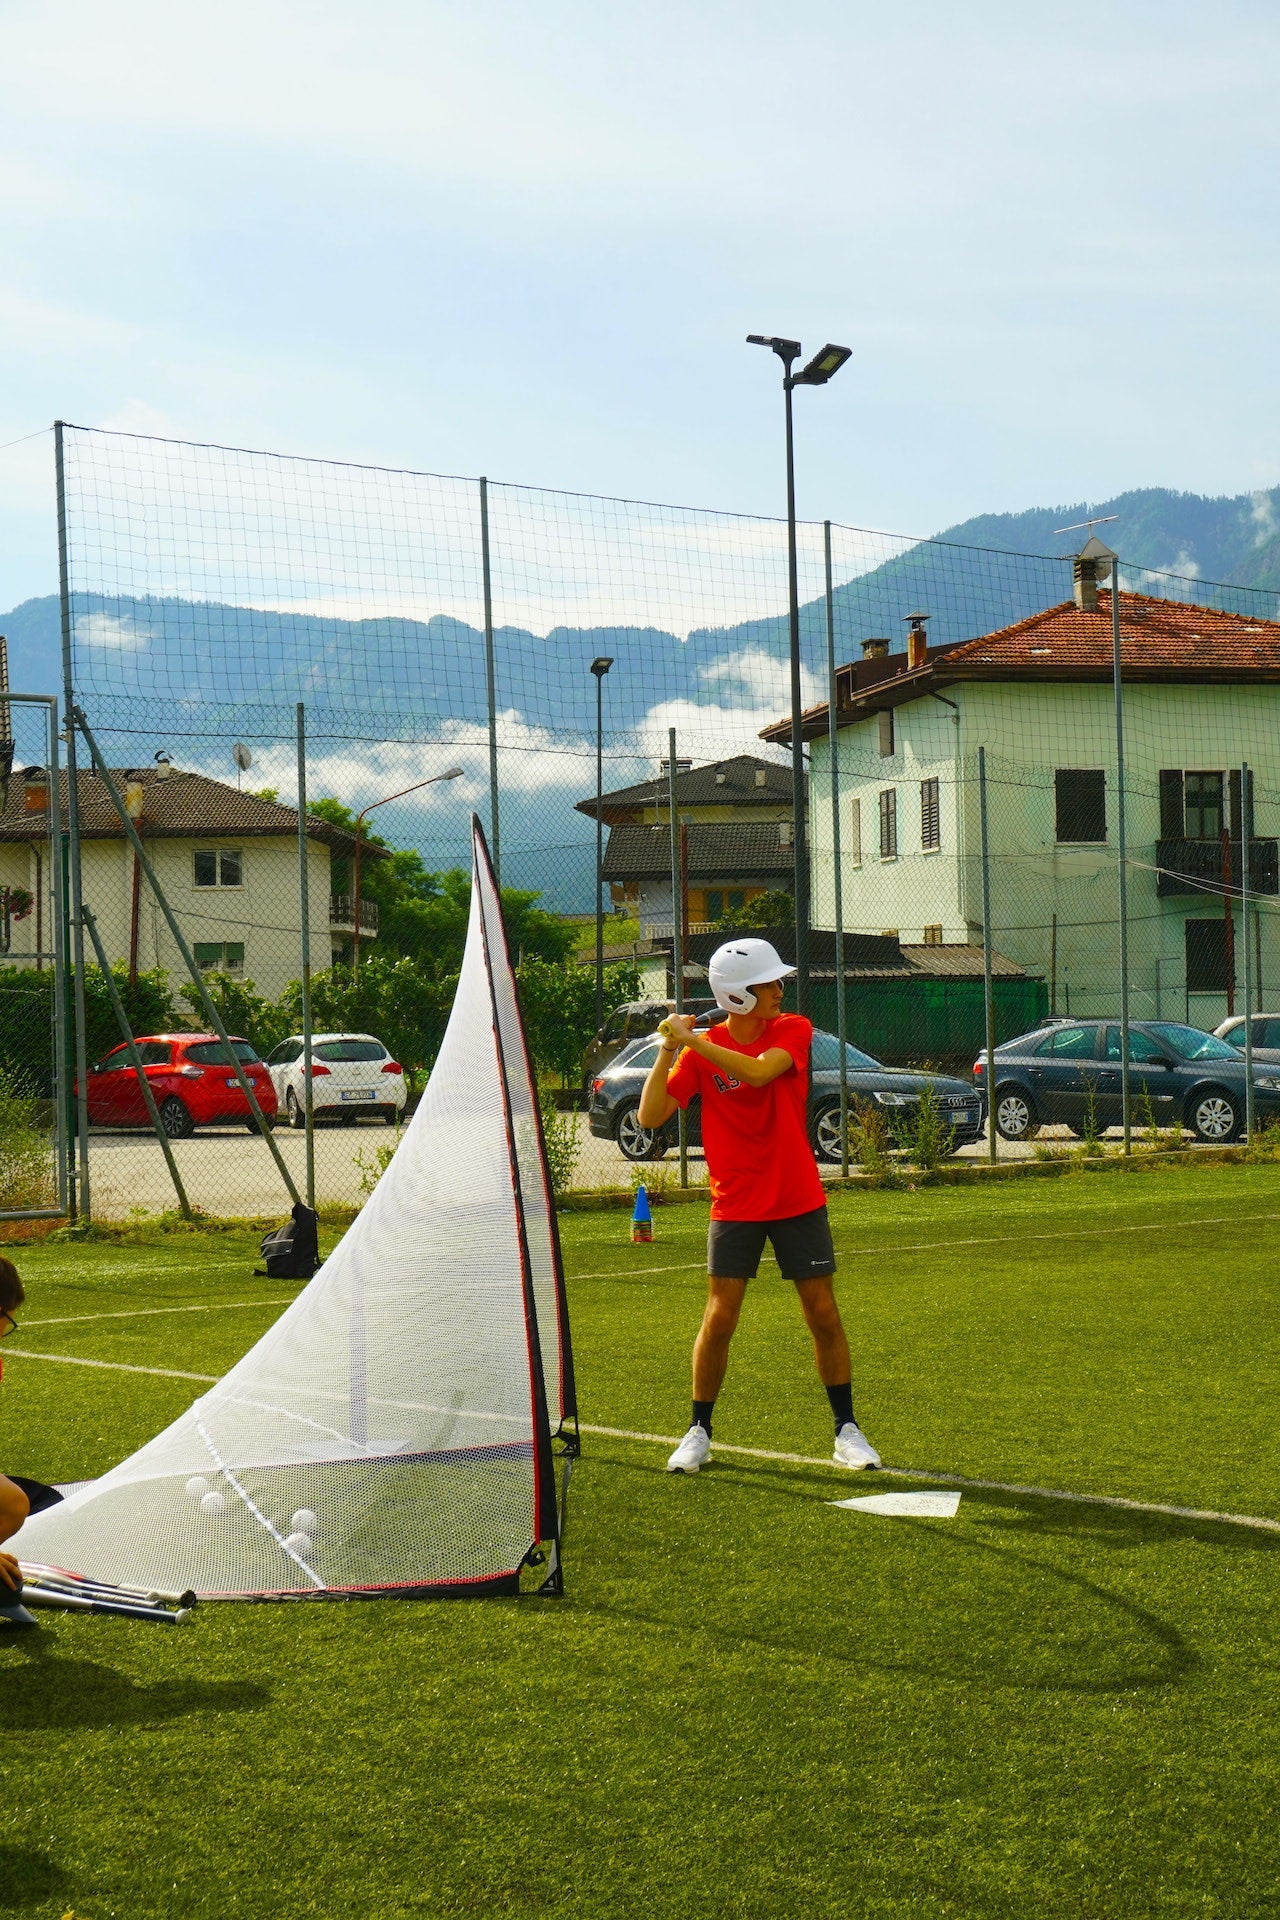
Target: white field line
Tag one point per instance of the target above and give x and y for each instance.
(109, 1366)
(962, 1480)
(985, 1240)
(789, 1459)
(142, 1313)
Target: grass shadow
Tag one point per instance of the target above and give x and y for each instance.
(29, 1877)
(48, 1691)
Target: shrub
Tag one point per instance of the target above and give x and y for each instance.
(924, 1136)
(27, 1177)
(560, 1131)
(242, 1009)
(558, 1001)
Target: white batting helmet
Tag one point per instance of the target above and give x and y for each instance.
(734, 969)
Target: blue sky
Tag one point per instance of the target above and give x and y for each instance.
(528, 239)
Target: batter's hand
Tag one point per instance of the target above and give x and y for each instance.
(10, 1572)
(677, 1029)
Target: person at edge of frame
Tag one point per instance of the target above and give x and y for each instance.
(752, 1072)
(18, 1497)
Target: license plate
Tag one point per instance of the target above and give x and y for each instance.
(232, 1081)
(964, 1116)
(356, 1096)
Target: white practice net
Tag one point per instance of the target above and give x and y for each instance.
(391, 1431)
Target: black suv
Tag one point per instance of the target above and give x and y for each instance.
(615, 1098)
(1192, 1079)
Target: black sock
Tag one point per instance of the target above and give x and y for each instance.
(841, 1399)
(702, 1415)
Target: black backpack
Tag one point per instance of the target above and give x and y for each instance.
(292, 1252)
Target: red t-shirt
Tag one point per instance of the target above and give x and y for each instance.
(756, 1139)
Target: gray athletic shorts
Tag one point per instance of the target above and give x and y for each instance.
(801, 1246)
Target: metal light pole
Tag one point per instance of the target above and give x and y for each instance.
(816, 374)
(599, 668)
(454, 773)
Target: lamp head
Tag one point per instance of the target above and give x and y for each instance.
(786, 350)
(601, 665)
(823, 366)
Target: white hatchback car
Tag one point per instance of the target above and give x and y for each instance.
(351, 1074)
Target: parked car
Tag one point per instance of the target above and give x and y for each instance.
(615, 1098)
(632, 1021)
(351, 1074)
(1266, 1034)
(1193, 1079)
(192, 1082)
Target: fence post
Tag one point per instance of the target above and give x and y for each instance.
(836, 868)
(79, 1201)
(989, 1005)
(1246, 844)
(304, 901)
(677, 944)
(1118, 694)
(490, 680)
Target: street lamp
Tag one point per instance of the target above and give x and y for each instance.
(454, 773)
(815, 374)
(600, 667)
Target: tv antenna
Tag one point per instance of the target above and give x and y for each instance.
(1104, 520)
(243, 759)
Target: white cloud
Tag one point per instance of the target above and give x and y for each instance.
(104, 631)
(1263, 514)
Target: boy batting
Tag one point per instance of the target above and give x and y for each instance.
(752, 1072)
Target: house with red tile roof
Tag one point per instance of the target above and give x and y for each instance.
(1201, 700)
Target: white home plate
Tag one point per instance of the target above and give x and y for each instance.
(920, 1506)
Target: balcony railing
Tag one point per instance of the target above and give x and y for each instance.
(342, 915)
(1201, 866)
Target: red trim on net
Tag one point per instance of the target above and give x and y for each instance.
(426, 1588)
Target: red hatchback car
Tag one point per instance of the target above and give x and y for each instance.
(192, 1081)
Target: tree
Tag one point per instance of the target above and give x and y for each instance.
(558, 1001)
(243, 1010)
(766, 910)
(390, 996)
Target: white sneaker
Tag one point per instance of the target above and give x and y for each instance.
(693, 1452)
(853, 1449)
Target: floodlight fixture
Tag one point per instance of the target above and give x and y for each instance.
(601, 665)
(822, 366)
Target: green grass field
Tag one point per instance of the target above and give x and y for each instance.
(749, 1703)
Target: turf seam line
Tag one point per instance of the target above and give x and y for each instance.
(109, 1366)
(963, 1480)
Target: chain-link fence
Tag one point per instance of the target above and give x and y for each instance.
(407, 648)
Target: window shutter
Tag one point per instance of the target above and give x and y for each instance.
(886, 733)
(930, 815)
(1080, 794)
(1171, 815)
(855, 832)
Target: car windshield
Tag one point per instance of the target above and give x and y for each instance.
(350, 1050)
(824, 1055)
(212, 1053)
(1188, 1043)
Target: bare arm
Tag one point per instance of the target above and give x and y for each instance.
(740, 1066)
(656, 1104)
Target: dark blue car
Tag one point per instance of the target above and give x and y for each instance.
(1192, 1079)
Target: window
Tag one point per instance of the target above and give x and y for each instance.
(1206, 955)
(220, 956)
(886, 734)
(1068, 1043)
(1081, 797)
(930, 816)
(615, 1026)
(1189, 1043)
(642, 1057)
(932, 936)
(220, 867)
(340, 1050)
(855, 832)
(1202, 806)
(154, 1053)
(285, 1054)
(889, 824)
(824, 1054)
(212, 1053)
(1141, 1045)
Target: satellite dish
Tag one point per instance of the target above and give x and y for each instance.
(242, 757)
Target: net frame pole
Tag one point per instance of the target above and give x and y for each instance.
(988, 993)
(80, 1198)
(304, 905)
(546, 1510)
(490, 679)
(135, 1061)
(677, 944)
(836, 864)
(1246, 846)
(1117, 685)
(189, 960)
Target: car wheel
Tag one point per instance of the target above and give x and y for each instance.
(824, 1134)
(296, 1115)
(1016, 1116)
(637, 1142)
(392, 1116)
(1213, 1117)
(176, 1120)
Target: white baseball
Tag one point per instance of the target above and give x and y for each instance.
(213, 1503)
(299, 1543)
(197, 1486)
(304, 1520)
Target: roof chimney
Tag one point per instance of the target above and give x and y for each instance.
(1091, 565)
(875, 649)
(917, 640)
